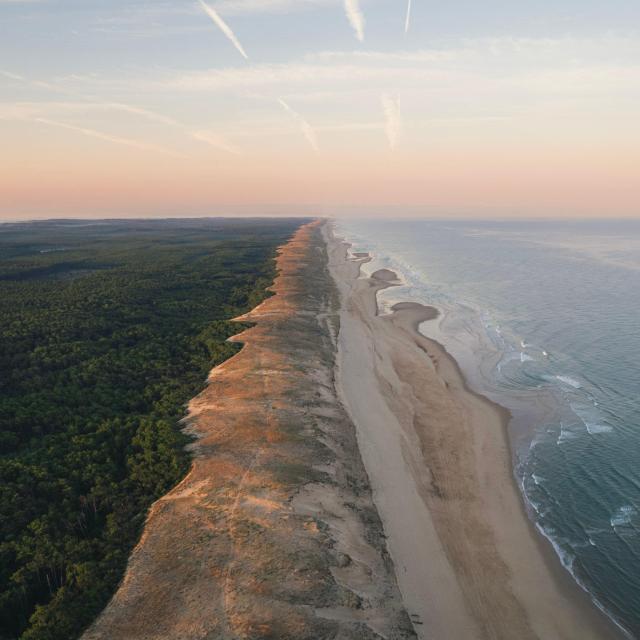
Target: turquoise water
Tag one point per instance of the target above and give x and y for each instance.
(544, 318)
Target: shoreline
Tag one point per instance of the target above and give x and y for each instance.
(552, 553)
(565, 579)
(502, 578)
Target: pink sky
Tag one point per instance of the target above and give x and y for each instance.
(157, 112)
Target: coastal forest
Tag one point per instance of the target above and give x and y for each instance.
(107, 329)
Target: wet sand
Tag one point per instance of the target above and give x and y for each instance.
(468, 561)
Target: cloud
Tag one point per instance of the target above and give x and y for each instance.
(307, 130)
(393, 120)
(265, 129)
(548, 80)
(355, 17)
(408, 18)
(513, 78)
(224, 27)
(92, 133)
(273, 75)
(240, 7)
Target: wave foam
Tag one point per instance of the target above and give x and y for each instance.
(591, 417)
(566, 434)
(569, 381)
(536, 479)
(566, 557)
(623, 516)
(594, 429)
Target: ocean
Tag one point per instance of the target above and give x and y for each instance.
(544, 318)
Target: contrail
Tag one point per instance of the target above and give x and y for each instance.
(305, 127)
(153, 116)
(408, 20)
(355, 17)
(92, 133)
(145, 113)
(224, 27)
(117, 106)
(11, 76)
(393, 120)
(215, 141)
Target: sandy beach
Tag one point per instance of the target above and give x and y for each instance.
(468, 561)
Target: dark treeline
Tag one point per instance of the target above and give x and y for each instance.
(106, 330)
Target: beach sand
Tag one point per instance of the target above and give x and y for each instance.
(469, 563)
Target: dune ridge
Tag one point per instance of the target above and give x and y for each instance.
(273, 533)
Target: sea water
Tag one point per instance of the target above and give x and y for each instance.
(544, 318)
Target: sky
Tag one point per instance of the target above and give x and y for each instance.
(462, 108)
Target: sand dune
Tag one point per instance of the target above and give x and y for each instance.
(273, 534)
